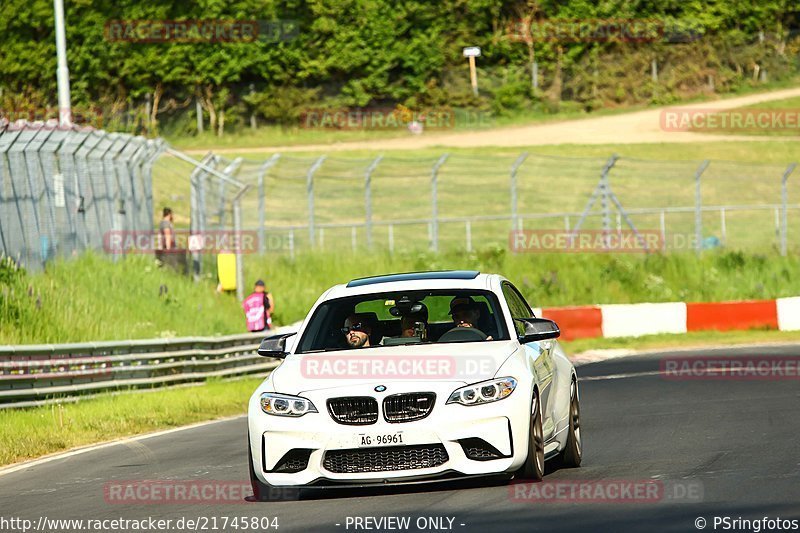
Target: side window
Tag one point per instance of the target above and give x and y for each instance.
(517, 305)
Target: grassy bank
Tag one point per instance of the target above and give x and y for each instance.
(550, 279)
(93, 298)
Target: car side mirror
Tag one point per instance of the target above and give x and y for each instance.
(275, 346)
(537, 329)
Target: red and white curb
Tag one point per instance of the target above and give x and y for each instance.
(635, 320)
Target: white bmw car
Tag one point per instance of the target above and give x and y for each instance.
(413, 377)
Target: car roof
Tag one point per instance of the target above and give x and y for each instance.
(411, 281)
(414, 276)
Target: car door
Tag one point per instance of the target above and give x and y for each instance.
(540, 354)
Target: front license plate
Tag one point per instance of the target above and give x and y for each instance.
(365, 440)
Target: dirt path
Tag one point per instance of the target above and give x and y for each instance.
(627, 128)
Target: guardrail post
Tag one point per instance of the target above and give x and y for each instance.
(784, 206)
(434, 233)
(698, 206)
(310, 193)
(514, 199)
(368, 198)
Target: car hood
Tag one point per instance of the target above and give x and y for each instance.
(453, 363)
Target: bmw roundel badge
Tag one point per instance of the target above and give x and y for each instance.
(380, 388)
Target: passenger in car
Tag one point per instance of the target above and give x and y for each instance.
(357, 329)
(465, 312)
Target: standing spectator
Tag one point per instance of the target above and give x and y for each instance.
(258, 308)
(166, 231)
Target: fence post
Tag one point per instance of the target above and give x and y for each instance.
(237, 229)
(262, 171)
(663, 224)
(368, 198)
(291, 244)
(698, 205)
(435, 203)
(196, 212)
(723, 226)
(784, 206)
(604, 195)
(514, 168)
(310, 193)
(228, 171)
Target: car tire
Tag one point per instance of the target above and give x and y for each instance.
(573, 451)
(264, 492)
(533, 468)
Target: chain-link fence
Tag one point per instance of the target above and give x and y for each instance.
(464, 201)
(63, 189)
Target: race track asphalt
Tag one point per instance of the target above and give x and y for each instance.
(734, 445)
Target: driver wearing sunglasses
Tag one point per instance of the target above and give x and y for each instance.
(356, 331)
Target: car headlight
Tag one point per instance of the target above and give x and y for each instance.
(484, 392)
(285, 405)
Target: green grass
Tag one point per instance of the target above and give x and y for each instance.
(548, 279)
(92, 298)
(29, 433)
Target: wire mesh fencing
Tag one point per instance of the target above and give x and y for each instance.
(63, 190)
(462, 201)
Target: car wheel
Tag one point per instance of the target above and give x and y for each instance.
(573, 451)
(533, 468)
(264, 492)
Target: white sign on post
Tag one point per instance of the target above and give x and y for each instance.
(58, 190)
(472, 51)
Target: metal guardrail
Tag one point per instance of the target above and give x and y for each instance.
(39, 374)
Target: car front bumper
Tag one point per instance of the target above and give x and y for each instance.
(502, 425)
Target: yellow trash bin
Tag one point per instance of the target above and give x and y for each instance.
(226, 270)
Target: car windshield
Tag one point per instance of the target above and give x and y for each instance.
(406, 317)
